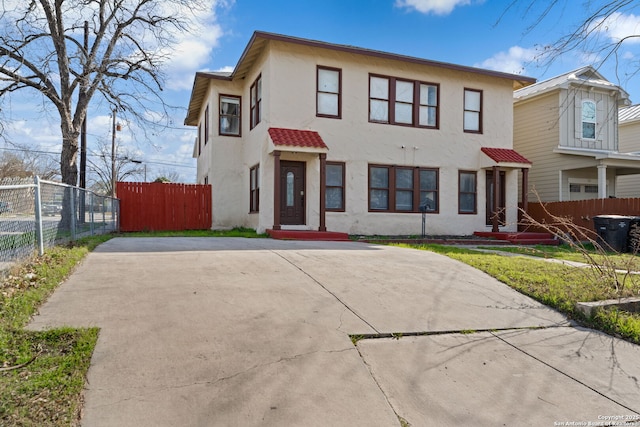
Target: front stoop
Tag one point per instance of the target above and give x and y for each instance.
(308, 235)
(520, 237)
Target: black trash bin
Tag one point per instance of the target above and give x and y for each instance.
(613, 231)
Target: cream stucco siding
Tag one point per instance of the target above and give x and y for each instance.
(288, 73)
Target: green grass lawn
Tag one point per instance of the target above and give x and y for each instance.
(234, 232)
(621, 261)
(556, 285)
(42, 373)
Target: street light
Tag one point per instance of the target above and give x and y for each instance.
(140, 162)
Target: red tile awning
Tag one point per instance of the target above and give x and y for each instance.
(306, 139)
(505, 155)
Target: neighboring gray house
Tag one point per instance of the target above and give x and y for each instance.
(568, 127)
(629, 135)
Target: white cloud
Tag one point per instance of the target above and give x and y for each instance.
(617, 26)
(225, 69)
(513, 61)
(192, 49)
(437, 7)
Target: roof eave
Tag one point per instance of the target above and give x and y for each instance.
(198, 92)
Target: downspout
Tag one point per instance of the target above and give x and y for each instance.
(323, 189)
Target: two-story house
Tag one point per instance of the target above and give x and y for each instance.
(568, 127)
(309, 135)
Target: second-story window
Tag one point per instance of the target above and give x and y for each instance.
(472, 110)
(229, 115)
(329, 92)
(378, 99)
(206, 125)
(403, 102)
(256, 102)
(588, 119)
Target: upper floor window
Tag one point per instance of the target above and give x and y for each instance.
(199, 139)
(256, 101)
(402, 189)
(403, 102)
(472, 110)
(230, 115)
(329, 91)
(206, 125)
(588, 119)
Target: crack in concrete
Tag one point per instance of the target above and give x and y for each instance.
(582, 383)
(326, 289)
(398, 335)
(161, 388)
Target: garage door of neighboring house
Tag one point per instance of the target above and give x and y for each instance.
(159, 206)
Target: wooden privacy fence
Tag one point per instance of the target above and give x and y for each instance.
(159, 206)
(581, 212)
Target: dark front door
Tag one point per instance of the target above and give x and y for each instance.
(491, 193)
(292, 193)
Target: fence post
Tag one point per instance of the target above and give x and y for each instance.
(38, 212)
(73, 212)
(91, 211)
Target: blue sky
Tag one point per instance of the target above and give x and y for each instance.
(480, 33)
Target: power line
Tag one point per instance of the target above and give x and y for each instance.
(151, 162)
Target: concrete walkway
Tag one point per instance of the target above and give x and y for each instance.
(257, 332)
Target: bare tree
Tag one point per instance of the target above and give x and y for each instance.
(22, 163)
(593, 29)
(67, 51)
(99, 166)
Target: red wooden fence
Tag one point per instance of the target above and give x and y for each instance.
(582, 212)
(159, 206)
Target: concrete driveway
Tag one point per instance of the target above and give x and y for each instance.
(257, 332)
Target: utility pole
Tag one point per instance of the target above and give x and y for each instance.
(83, 133)
(113, 155)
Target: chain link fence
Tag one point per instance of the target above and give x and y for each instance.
(37, 214)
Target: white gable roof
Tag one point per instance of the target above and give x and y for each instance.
(585, 76)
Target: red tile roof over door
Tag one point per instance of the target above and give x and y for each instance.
(504, 155)
(296, 138)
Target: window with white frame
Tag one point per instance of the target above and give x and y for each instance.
(329, 81)
(588, 119)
